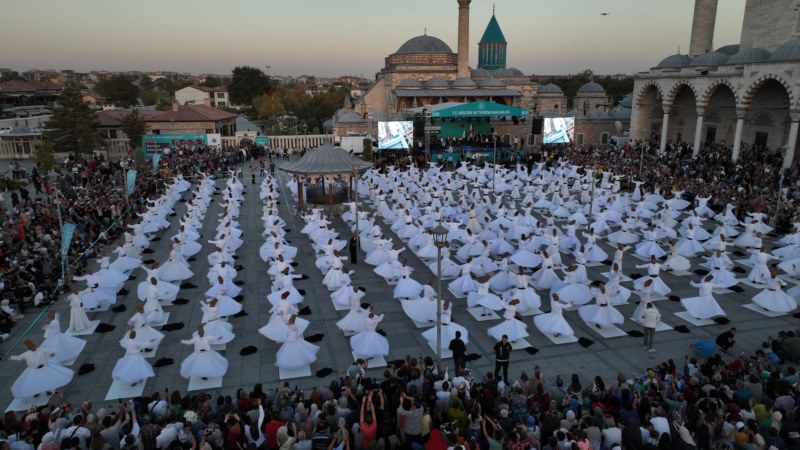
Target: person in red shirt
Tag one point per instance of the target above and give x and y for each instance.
(367, 424)
(234, 436)
(271, 430)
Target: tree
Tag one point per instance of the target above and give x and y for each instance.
(322, 106)
(268, 106)
(211, 82)
(119, 89)
(11, 76)
(166, 85)
(246, 84)
(73, 128)
(44, 155)
(139, 160)
(148, 92)
(134, 126)
(367, 154)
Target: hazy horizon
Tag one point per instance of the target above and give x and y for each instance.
(349, 37)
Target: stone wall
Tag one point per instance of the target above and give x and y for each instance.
(769, 23)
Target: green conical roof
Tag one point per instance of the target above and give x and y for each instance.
(493, 33)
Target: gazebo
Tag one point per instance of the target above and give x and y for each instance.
(326, 163)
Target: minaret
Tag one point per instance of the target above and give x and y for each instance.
(463, 38)
(705, 17)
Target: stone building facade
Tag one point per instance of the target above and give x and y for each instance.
(740, 94)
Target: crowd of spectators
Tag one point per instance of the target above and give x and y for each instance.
(751, 183)
(90, 194)
(709, 400)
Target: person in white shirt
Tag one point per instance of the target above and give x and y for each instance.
(158, 407)
(168, 434)
(78, 430)
(649, 319)
(611, 436)
(131, 440)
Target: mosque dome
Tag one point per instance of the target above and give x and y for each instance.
(710, 59)
(790, 51)
(675, 61)
(437, 83)
(480, 73)
(591, 88)
(424, 44)
(749, 56)
(410, 83)
(491, 82)
(464, 83)
(509, 72)
(627, 101)
(350, 117)
(729, 50)
(549, 89)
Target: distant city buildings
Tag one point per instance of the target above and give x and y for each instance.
(216, 97)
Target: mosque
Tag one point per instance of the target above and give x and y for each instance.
(425, 71)
(744, 94)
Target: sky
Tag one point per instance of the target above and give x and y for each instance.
(338, 37)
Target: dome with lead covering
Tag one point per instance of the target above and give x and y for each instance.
(729, 50)
(424, 44)
(790, 51)
(437, 83)
(550, 88)
(509, 72)
(674, 62)
(410, 83)
(750, 56)
(591, 88)
(710, 59)
(463, 82)
(491, 82)
(481, 73)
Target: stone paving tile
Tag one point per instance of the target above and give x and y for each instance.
(604, 357)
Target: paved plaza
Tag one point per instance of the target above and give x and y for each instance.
(605, 357)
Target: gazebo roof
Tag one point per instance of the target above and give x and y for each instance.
(326, 160)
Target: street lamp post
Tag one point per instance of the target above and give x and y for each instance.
(272, 101)
(355, 196)
(440, 240)
(369, 118)
(494, 161)
(591, 198)
(61, 230)
(778, 206)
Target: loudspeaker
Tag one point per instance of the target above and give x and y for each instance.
(538, 124)
(419, 128)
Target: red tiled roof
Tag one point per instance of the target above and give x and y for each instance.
(113, 117)
(29, 86)
(192, 113)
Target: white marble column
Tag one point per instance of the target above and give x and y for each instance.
(737, 137)
(664, 128)
(791, 144)
(698, 131)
